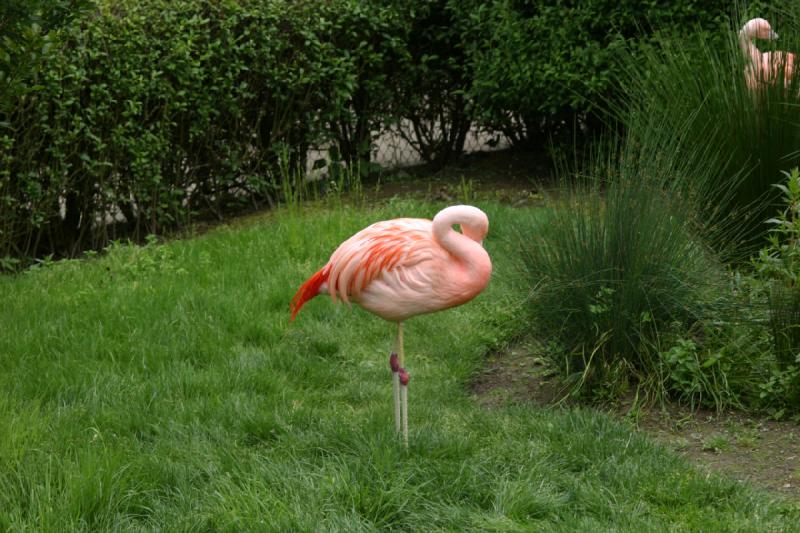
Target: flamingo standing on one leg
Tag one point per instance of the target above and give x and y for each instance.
(405, 267)
(766, 67)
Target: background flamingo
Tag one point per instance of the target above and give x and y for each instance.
(404, 267)
(764, 67)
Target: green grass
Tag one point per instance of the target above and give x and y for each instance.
(162, 387)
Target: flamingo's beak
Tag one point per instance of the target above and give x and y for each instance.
(773, 36)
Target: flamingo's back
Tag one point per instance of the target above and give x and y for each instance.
(384, 250)
(373, 252)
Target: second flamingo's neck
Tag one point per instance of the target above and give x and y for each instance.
(749, 48)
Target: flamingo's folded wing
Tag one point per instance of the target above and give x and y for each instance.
(376, 250)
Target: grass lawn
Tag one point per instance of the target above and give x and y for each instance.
(163, 387)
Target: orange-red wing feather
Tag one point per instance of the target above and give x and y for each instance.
(375, 250)
(308, 290)
(367, 255)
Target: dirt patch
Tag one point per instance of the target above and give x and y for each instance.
(748, 448)
(509, 176)
(758, 450)
(517, 375)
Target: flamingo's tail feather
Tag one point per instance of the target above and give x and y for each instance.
(308, 290)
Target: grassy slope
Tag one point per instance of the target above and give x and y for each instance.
(164, 387)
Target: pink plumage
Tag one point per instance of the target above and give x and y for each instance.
(407, 266)
(766, 67)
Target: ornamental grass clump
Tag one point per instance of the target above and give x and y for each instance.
(696, 89)
(617, 262)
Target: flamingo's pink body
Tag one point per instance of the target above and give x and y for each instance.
(407, 266)
(768, 67)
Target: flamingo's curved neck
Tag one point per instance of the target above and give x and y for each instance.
(749, 48)
(465, 246)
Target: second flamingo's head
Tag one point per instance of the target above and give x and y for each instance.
(758, 29)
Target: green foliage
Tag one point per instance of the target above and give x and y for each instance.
(778, 265)
(622, 266)
(158, 110)
(694, 89)
(153, 112)
(542, 68)
(372, 39)
(745, 353)
(722, 362)
(614, 269)
(431, 93)
(780, 259)
(27, 31)
(150, 113)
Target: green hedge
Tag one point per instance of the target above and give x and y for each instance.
(161, 108)
(542, 67)
(374, 39)
(153, 111)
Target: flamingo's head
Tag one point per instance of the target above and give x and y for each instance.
(758, 29)
(474, 222)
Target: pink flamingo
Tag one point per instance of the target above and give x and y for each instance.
(766, 67)
(405, 267)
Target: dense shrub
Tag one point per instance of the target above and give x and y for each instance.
(542, 68)
(149, 112)
(27, 29)
(778, 264)
(746, 354)
(373, 39)
(695, 89)
(431, 94)
(159, 108)
(617, 263)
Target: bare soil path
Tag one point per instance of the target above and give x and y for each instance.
(747, 448)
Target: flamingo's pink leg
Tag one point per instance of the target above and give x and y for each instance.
(395, 366)
(404, 377)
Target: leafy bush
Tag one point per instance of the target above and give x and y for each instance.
(541, 68)
(153, 110)
(779, 262)
(27, 30)
(723, 361)
(778, 267)
(745, 353)
(430, 94)
(372, 38)
(146, 113)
